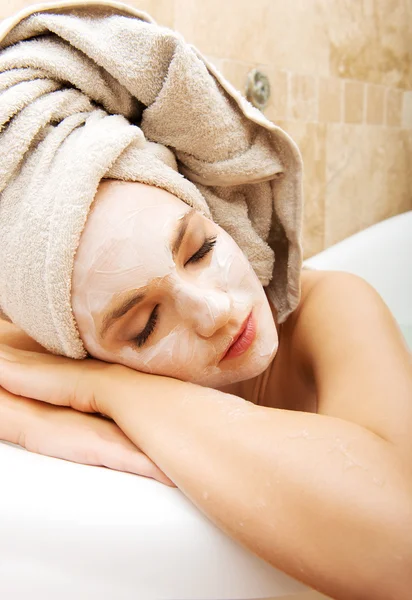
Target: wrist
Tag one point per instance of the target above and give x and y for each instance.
(109, 387)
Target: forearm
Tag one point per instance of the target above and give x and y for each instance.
(316, 496)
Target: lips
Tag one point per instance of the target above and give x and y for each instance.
(243, 340)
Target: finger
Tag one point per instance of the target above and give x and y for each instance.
(47, 378)
(134, 461)
(11, 354)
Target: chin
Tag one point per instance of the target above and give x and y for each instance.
(243, 368)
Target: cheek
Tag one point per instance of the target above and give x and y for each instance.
(179, 354)
(85, 306)
(84, 320)
(230, 270)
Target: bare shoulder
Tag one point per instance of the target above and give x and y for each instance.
(351, 344)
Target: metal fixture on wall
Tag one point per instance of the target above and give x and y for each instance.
(258, 89)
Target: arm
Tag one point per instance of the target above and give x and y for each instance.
(323, 499)
(65, 433)
(321, 496)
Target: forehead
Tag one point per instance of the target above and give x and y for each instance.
(129, 229)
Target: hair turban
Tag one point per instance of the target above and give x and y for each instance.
(93, 90)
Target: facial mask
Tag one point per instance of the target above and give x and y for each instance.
(201, 306)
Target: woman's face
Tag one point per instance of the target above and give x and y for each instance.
(162, 289)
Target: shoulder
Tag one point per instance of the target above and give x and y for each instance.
(339, 309)
(331, 303)
(335, 283)
(349, 342)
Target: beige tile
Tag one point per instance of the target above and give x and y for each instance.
(367, 177)
(393, 107)
(217, 62)
(236, 72)
(407, 110)
(398, 171)
(370, 40)
(375, 103)
(12, 6)
(330, 99)
(161, 10)
(407, 137)
(277, 107)
(311, 139)
(303, 97)
(354, 99)
(261, 32)
(345, 181)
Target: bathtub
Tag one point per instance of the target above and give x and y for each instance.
(74, 531)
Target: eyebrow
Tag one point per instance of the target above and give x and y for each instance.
(120, 310)
(130, 302)
(181, 230)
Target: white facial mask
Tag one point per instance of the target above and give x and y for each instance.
(201, 306)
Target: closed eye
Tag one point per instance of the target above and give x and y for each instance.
(143, 336)
(203, 251)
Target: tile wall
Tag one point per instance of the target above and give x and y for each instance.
(341, 78)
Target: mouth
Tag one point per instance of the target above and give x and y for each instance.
(242, 340)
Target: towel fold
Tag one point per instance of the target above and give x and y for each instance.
(93, 90)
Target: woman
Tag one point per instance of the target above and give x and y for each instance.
(277, 444)
(279, 404)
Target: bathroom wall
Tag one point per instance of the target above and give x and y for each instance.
(341, 77)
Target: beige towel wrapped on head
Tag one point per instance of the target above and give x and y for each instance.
(92, 90)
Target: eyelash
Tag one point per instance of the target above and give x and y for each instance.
(203, 251)
(142, 338)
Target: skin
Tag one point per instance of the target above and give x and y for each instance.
(65, 433)
(126, 249)
(316, 447)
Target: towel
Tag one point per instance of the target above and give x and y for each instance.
(94, 90)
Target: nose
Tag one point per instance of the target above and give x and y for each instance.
(207, 310)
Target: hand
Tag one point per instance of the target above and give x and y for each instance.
(63, 432)
(70, 435)
(55, 379)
